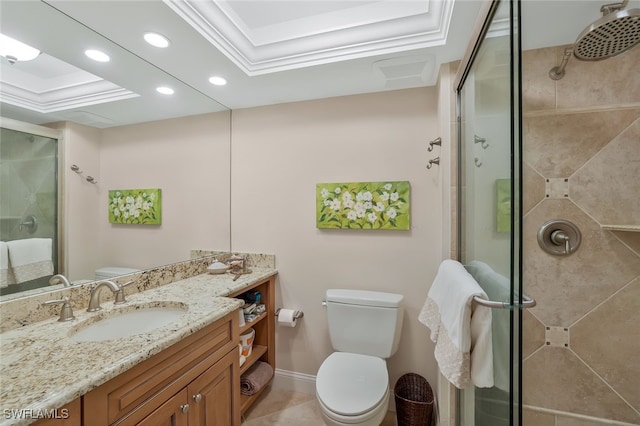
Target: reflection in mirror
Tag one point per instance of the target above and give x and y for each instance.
(110, 138)
(28, 210)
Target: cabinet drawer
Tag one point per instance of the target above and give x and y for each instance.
(162, 375)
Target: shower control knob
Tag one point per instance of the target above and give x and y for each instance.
(559, 237)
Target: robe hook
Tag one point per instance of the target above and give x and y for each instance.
(436, 141)
(433, 161)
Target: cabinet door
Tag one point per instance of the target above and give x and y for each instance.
(174, 412)
(214, 396)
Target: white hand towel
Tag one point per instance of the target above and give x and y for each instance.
(460, 328)
(30, 258)
(497, 287)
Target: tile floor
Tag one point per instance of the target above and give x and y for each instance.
(286, 408)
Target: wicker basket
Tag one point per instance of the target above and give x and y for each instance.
(414, 400)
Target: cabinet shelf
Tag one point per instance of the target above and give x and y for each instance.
(248, 325)
(264, 343)
(256, 353)
(247, 401)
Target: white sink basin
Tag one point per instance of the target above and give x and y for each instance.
(126, 322)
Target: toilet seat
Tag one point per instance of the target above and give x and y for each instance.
(351, 385)
(373, 417)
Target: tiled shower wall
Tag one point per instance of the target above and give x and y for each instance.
(28, 182)
(581, 137)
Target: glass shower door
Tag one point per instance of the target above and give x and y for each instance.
(489, 206)
(28, 199)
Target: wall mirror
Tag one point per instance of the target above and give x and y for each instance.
(63, 85)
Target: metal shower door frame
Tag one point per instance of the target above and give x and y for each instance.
(518, 301)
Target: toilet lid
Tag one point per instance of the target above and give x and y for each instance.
(351, 384)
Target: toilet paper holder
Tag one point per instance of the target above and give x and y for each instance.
(296, 314)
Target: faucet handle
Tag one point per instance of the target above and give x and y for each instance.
(66, 312)
(120, 296)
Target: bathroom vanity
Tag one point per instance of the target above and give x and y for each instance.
(193, 380)
(183, 373)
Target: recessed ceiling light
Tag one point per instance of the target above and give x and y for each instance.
(97, 55)
(15, 50)
(218, 81)
(165, 90)
(157, 40)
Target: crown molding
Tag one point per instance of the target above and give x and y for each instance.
(297, 44)
(64, 98)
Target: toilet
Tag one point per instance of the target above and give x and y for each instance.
(352, 384)
(109, 272)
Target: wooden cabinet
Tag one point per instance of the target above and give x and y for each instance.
(162, 388)
(264, 346)
(208, 400)
(171, 413)
(212, 399)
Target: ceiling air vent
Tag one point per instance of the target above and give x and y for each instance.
(87, 118)
(411, 71)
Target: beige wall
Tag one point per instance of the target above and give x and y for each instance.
(279, 154)
(81, 147)
(582, 163)
(188, 158)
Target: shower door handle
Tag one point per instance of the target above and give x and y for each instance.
(527, 302)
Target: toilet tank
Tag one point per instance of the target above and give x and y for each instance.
(364, 322)
(109, 272)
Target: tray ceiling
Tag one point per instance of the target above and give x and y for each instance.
(264, 37)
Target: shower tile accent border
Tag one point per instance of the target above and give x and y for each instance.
(17, 313)
(546, 417)
(557, 336)
(556, 188)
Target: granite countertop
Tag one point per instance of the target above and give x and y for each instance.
(42, 368)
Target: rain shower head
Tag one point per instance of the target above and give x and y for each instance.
(615, 33)
(609, 36)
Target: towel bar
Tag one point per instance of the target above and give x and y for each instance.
(527, 303)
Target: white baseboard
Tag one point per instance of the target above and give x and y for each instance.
(296, 382)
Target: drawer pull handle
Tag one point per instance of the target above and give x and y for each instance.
(197, 397)
(184, 408)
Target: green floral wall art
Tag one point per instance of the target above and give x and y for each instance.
(363, 205)
(503, 206)
(135, 206)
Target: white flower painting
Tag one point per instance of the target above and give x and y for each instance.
(363, 205)
(135, 206)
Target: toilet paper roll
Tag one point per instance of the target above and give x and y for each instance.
(286, 319)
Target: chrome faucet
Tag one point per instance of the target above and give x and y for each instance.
(94, 299)
(59, 278)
